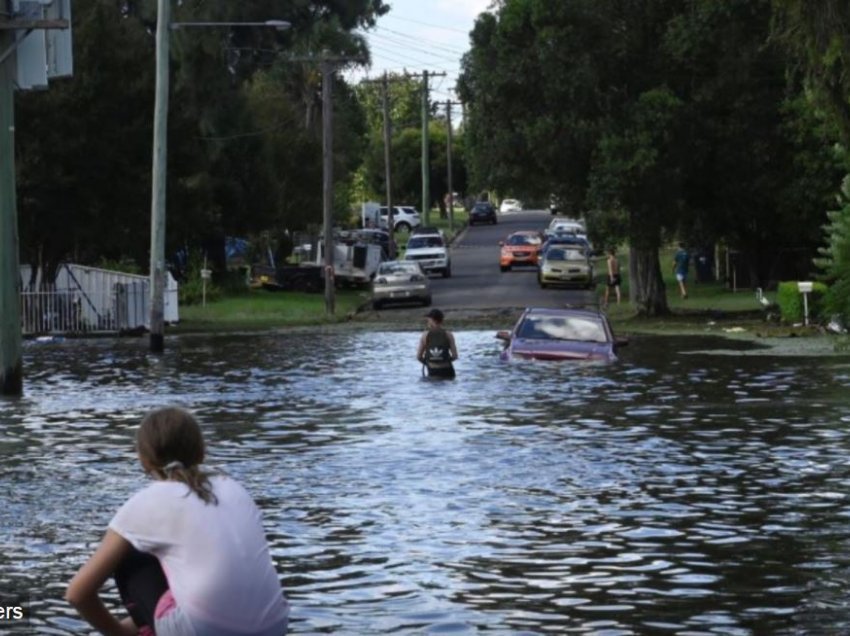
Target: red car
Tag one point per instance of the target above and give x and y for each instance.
(561, 334)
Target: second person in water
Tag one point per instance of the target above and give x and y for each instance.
(437, 349)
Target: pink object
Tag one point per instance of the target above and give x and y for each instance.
(164, 605)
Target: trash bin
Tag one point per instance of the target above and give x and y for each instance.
(704, 266)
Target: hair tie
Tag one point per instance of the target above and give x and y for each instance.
(175, 465)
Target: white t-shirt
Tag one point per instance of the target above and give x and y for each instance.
(215, 556)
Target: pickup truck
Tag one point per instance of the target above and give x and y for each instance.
(431, 252)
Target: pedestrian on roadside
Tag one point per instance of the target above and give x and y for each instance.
(437, 349)
(680, 268)
(188, 551)
(613, 275)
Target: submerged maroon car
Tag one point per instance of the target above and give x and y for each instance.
(561, 334)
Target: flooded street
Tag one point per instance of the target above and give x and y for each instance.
(674, 491)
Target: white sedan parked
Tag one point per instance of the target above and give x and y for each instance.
(400, 281)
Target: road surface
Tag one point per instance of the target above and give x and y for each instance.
(477, 282)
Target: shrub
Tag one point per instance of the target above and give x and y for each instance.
(790, 301)
(191, 290)
(835, 257)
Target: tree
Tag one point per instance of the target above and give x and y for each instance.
(92, 179)
(818, 35)
(84, 147)
(405, 108)
(655, 118)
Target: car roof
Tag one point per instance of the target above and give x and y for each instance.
(559, 219)
(569, 238)
(566, 311)
(427, 229)
(525, 233)
(394, 263)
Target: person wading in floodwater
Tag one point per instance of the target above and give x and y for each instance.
(437, 347)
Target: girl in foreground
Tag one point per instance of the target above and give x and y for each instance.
(188, 552)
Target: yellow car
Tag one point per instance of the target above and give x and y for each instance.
(566, 265)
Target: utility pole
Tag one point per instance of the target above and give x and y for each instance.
(328, 64)
(385, 102)
(449, 164)
(159, 171)
(327, 181)
(426, 163)
(426, 167)
(11, 368)
(14, 29)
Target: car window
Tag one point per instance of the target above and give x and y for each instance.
(424, 241)
(518, 239)
(522, 239)
(562, 328)
(397, 268)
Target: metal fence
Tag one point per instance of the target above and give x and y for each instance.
(87, 299)
(77, 311)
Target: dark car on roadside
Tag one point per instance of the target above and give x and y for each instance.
(561, 334)
(483, 212)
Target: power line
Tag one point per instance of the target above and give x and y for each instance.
(397, 42)
(419, 61)
(436, 26)
(420, 39)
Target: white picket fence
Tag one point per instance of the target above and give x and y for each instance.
(89, 300)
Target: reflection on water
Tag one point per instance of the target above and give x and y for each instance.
(669, 492)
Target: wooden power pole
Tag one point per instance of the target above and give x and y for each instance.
(385, 105)
(11, 368)
(328, 182)
(449, 165)
(159, 172)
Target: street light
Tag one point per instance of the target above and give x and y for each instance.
(160, 140)
(280, 25)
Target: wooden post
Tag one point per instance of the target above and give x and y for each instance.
(449, 162)
(11, 368)
(387, 169)
(160, 162)
(327, 182)
(426, 169)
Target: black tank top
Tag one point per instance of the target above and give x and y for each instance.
(438, 348)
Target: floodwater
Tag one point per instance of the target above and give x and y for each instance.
(675, 491)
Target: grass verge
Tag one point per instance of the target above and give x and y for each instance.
(260, 309)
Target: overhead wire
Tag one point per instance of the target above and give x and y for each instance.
(436, 26)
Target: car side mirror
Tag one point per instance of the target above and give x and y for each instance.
(504, 335)
(501, 243)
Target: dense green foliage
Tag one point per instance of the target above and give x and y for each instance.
(792, 305)
(653, 119)
(708, 121)
(818, 33)
(244, 144)
(405, 110)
